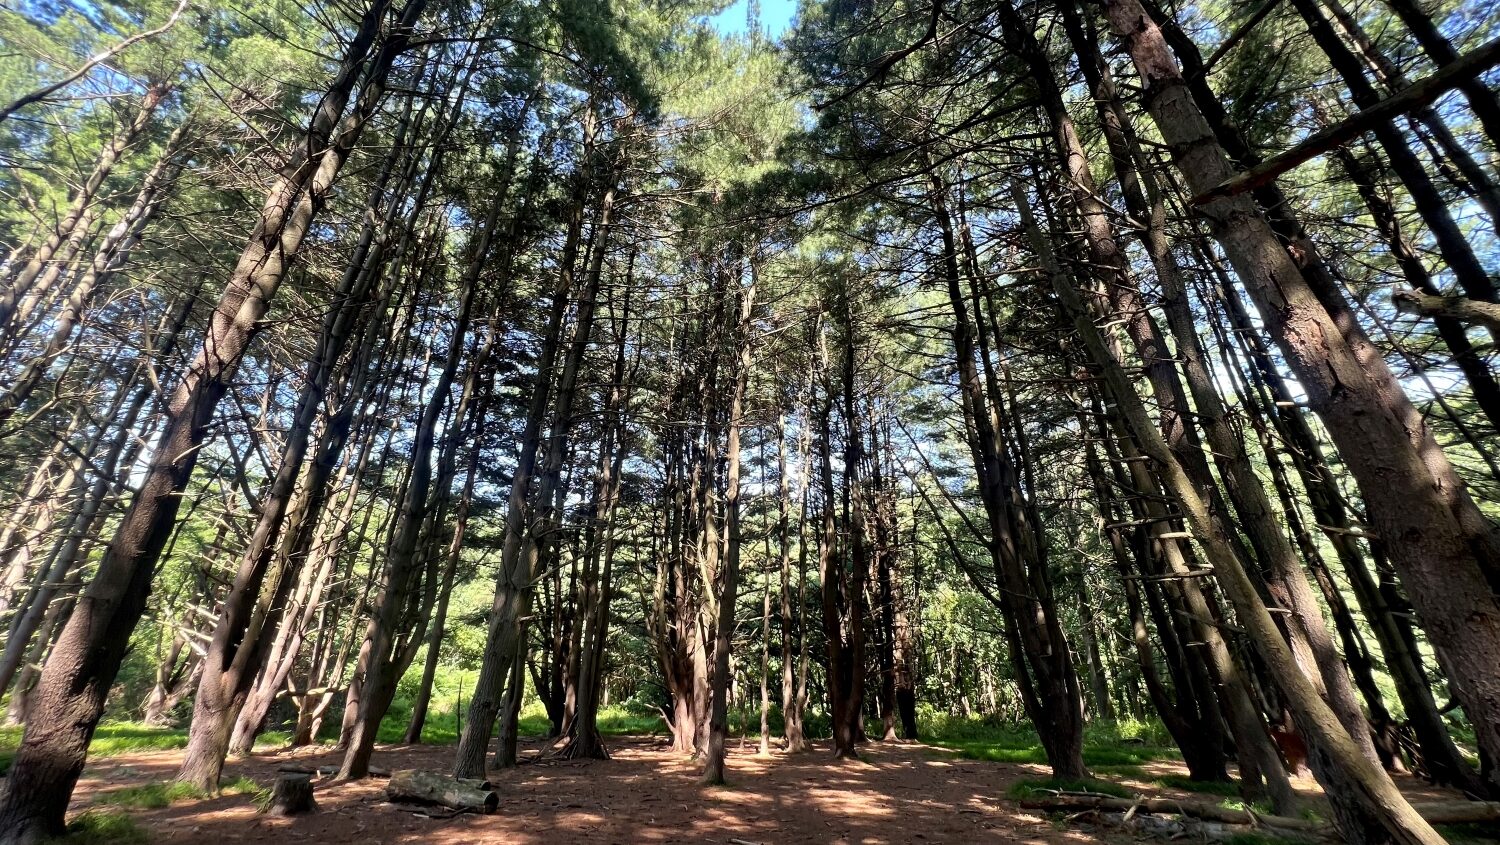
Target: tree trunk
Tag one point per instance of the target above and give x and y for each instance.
(1365, 801)
(1038, 651)
(718, 727)
(518, 566)
(1444, 548)
(1482, 99)
(21, 295)
(403, 564)
(71, 695)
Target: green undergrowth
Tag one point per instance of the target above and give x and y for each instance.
(104, 827)
(1113, 747)
(158, 794)
(613, 721)
(1234, 802)
(442, 728)
(1222, 788)
(1117, 770)
(452, 689)
(112, 739)
(1469, 834)
(1257, 838)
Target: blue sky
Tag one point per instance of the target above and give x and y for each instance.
(775, 17)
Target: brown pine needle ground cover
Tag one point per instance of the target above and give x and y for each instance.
(898, 793)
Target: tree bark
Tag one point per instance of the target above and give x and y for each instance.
(518, 567)
(1444, 548)
(718, 727)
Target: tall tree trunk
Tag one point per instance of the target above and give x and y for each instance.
(1283, 574)
(21, 294)
(519, 558)
(450, 568)
(791, 711)
(111, 468)
(1038, 651)
(403, 564)
(1455, 248)
(1445, 549)
(1380, 602)
(112, 253)
(1455, 336)
(1366, 804)
(584, 740)
(1471, 178)
(1482, 99)
(718, 727)
(252, 610)
(70, 697)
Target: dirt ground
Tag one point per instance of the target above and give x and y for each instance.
(898, 793)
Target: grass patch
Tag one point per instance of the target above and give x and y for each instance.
(1236, 803)
(617, 721)
(1473, 832)
(1223, 788)
(1121, 771)
(110, 739)
(1122, 746)
(1254, 838)
(1033, 787)
(442, 728)
(154, 796)
(151, 796)
(111, 827)
(613, 721)
(239, 786)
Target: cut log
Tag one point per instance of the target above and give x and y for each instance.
(419, 787)
(292, 795)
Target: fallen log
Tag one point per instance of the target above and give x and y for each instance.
(1458, 812)
(1168, 806)
(419, 787)
(1435, 812)
(292, 795)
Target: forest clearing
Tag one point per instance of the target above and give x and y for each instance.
(897, 792)
(750, 421)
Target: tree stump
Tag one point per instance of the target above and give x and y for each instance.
(292, 795)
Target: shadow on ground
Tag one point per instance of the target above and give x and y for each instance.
(897, 793)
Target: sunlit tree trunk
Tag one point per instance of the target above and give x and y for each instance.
(1445, 549)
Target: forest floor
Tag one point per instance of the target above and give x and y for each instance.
(897, 793)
